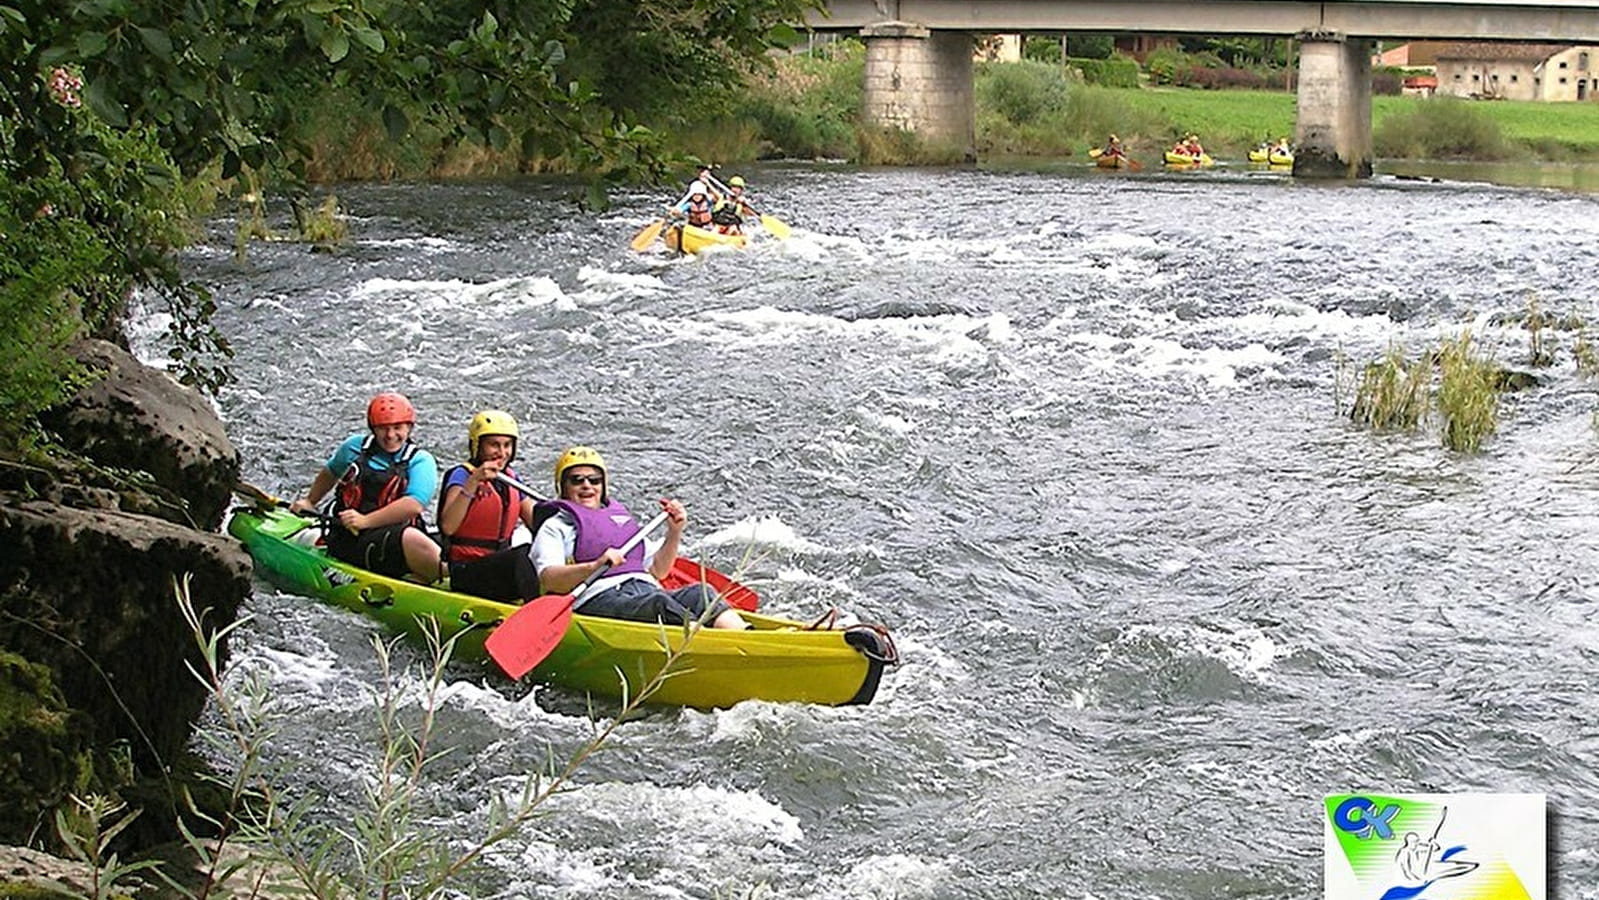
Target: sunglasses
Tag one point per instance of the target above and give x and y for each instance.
(575, 480)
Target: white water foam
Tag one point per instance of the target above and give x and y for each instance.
(767, 531)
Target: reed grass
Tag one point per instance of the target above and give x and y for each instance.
(1392, 394)
(1468, 394)
(1396, 393)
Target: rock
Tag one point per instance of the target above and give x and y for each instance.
(89, 594)
(137, 417)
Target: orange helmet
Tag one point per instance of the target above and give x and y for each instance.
(390, 408)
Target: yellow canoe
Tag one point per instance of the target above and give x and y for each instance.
(690, 239)
(1183, 159)
(1273, 157)
(780, 660)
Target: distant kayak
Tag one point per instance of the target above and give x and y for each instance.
(1111, 161)
(1183, 159)
(1273, 157)
(691, 239)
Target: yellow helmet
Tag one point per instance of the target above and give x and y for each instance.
(578, 456)
(491, 422)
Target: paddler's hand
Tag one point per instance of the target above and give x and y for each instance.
(610, 559)
(352, 520)
(676, 515)
(302, 506)
(483, 473)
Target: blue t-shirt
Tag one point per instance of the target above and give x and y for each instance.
(421, 475)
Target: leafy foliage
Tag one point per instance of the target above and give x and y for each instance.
(105, 104)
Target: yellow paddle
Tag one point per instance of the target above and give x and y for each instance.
(1096, 153)
(774, 226)
(648, 234)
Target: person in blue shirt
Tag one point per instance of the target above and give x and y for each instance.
(382, 482)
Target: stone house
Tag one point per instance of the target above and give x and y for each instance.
(1505, 71)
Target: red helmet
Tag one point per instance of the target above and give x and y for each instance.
(390, 408)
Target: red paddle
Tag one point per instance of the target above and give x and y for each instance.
(529, 634)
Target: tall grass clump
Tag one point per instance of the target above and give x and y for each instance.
(1442, 128)
(1396, 393)
(1392, 394)
(1468, 394)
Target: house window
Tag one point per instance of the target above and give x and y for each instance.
(1495, 76)
(1582, 61)
(1514, 78)
(1562, 64)
(1562, 79)
(1457, 76)
(1476, 77)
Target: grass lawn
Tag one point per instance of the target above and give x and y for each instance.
(1235, 120)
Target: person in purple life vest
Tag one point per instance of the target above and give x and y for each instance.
(580, 532)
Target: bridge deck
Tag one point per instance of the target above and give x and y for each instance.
(1573, 21)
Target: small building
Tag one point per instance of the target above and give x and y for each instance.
(1422, 55)
(1508, 71)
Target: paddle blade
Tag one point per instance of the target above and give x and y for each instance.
(776, 227)
(245, 489)
(686, 572)
(1134, 164)
(647, 235)
(1096, 153)
(524, 639)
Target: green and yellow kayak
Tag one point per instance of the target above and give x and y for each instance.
(780, 660)
(690, 239)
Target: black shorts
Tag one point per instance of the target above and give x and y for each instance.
(508, 576)
(380, 550)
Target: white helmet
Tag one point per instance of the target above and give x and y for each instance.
(698, 187)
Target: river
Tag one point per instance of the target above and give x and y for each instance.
(1072, 435)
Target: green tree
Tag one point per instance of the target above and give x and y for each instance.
(200, 83)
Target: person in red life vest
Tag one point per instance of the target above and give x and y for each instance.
(580, 532)
(383, 483)
(696, 205)
(478, 514)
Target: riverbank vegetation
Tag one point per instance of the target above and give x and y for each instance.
(1046, 107)
(119, 122)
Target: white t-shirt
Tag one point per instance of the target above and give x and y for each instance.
(557, 538)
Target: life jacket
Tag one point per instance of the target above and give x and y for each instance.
(699, 214)
(599, 530)
(728, 212)
(491, 517)
(364, 487)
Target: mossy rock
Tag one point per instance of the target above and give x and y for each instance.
(45, 756)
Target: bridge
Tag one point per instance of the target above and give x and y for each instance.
(919, 52)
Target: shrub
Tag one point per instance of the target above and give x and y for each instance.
(1388, 80)
(1090, 46)
(811, 104)
(1441, 128)
(1021, 92)
(1114, 72)
(1221, 77)
(1042, 49)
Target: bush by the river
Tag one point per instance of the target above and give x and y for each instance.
(1442, 128)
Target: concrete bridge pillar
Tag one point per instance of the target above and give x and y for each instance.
(1333, 133)
(920, 81)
